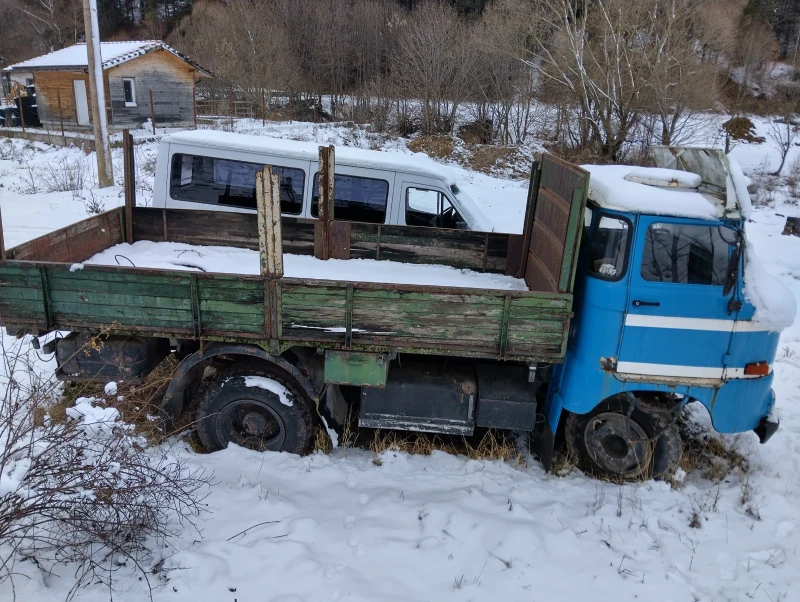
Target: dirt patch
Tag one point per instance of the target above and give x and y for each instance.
(495, 160)
(439, 147)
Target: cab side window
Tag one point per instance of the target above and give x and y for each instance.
(685, 253)
(429, 207)
(608, 250)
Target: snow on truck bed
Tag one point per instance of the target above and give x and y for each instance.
(232, 260)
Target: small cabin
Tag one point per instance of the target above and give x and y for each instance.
(133, 73)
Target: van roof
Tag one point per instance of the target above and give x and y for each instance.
(417, 163)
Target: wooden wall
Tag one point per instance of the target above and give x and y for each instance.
(49, 84)
(171, 80)
(172, 83)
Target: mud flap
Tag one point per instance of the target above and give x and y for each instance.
(543, 442)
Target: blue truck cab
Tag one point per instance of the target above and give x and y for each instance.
(663, 316)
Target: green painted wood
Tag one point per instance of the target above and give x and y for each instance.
(359, 369)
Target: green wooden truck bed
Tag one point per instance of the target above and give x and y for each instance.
(42, 290)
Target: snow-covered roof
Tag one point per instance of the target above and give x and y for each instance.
(689, 182)
(417, 163)
(112, 53)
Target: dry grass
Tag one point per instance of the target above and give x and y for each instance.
(711, 457)
(494, 445)
(490, 159)
(440, 147)
(322, 441)
(138, 404)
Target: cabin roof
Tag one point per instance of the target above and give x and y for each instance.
(112, 54)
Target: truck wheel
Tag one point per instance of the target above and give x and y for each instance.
(608, 444)
(258, 407)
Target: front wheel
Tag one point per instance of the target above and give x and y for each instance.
(257, 407)
(613, 442)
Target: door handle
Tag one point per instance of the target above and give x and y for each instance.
(638, 303)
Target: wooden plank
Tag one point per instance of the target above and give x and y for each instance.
(130, 199)
(270, 237)
(326, 164)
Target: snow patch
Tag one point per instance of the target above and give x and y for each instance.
(273, 386)
(76, 267)
(110, 388)
(775, 305)
(232, 260)
(662, 177)
(609, 187)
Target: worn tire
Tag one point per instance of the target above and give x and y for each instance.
(255, 417)
(598, 439)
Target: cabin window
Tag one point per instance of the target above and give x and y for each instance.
(129, 91)
(608, 250)
(429, 207)
(218, 181)
(355, 199)
(686, 254)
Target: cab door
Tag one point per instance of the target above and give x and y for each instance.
(678, 322)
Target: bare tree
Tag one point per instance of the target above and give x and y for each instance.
(432, 63)
(783, 133)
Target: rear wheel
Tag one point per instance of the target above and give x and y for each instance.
(610, 443)
(259, 407)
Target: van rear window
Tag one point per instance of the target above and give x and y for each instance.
(218, 181)
(355, 199)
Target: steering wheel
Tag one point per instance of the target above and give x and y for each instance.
(445, 216)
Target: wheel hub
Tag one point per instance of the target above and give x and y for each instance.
(618, 444)
(252, 424)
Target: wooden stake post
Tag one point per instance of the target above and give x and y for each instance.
(270, 232)
(327, 163)
(130, 183)
(2, 241)
(153, 112)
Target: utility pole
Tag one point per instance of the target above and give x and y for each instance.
(105, 172)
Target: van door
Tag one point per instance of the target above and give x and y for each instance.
(432, 206)
(678, 323)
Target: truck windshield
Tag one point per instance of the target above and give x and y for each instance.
(608, 251)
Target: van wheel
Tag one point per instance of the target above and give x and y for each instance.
(259, 407)
(611, 445)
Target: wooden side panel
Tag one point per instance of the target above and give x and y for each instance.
(218, 228)
(480, 251)
(21, 299)
(538, 326)
(554, 232)
(139, 300)
(232, 304)
(74, 243)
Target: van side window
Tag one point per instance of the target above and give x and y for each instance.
(230, 183)
(427, 207)
(608, 250)
(685, 253)
(355, 199)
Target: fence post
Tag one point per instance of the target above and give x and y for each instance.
(61, 115)
(129, 180)
(194, 105)
(326, 194)
(270, 231)
(230, 106)
(263, 108)
(152, 112)
(2, 240)
(21, 112)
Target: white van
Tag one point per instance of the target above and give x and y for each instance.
(215, 171)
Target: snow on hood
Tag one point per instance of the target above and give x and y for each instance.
(609, 187)
(776, 307)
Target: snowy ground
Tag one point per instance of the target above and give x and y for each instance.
(436, 528)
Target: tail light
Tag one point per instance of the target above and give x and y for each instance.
(756, 369)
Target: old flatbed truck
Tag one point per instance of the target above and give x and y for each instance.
(596, 348)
